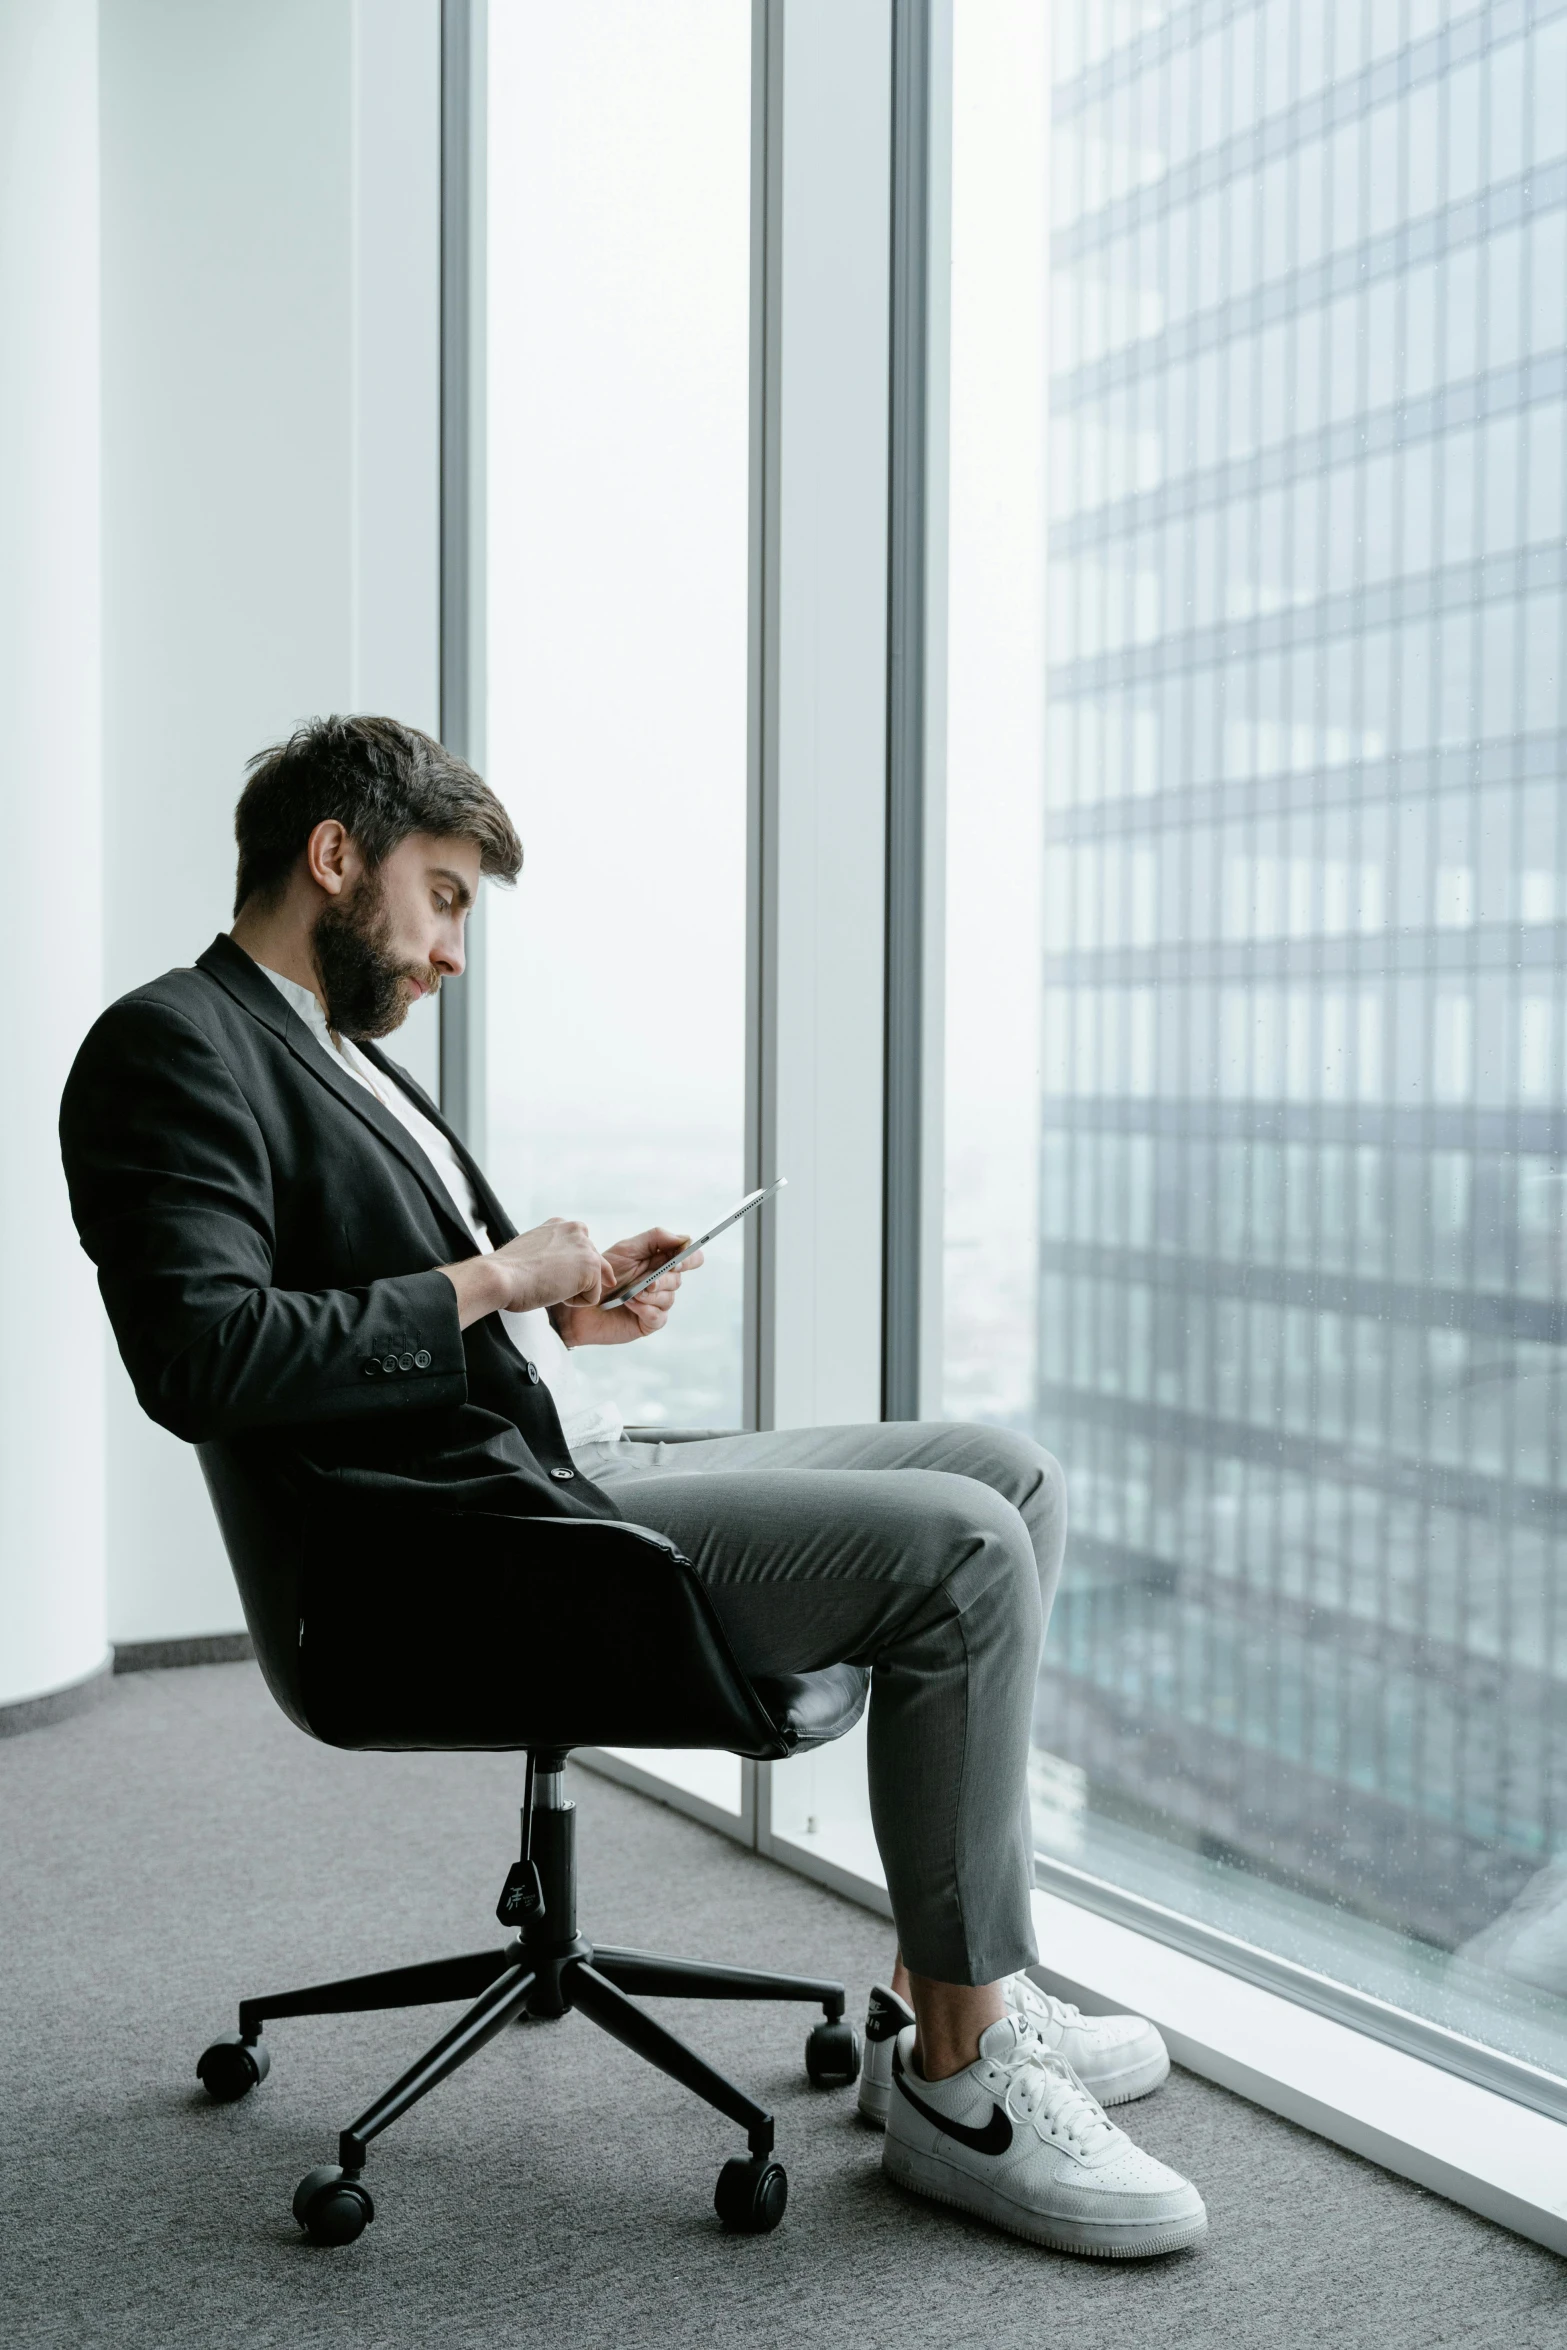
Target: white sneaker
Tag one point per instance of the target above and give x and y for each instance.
(1016, 2139)
(1116, 2057)
(885, 2017)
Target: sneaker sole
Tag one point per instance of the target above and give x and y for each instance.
(939, 2182)
(1138, 2080)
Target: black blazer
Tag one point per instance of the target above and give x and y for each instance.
(266, 1237)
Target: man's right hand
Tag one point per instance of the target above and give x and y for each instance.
(554, 1264)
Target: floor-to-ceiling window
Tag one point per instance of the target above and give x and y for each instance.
(616, 523)
(1256, 1102)
(1297, 1180)
(617, 565)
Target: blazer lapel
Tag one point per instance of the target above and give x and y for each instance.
(496, 1221)
(250, 987)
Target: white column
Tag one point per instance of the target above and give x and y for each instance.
(52, 1605)
(822, 156)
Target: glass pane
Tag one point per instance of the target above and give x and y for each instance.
(995, 715)
(1257, 1151)
(617, 573)
(716, 1778)
(820, 1808)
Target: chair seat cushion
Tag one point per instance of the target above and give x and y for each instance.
(810, 1709)
(384, 1627)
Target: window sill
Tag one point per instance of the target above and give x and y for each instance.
(1479, 2149)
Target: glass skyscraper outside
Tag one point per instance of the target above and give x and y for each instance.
(1302, 1290)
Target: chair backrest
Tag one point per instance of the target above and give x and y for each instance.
(389, 1627)
(264, 1540)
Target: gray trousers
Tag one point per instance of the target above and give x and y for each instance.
(930, 1552)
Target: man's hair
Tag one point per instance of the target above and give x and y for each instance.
(382, 781)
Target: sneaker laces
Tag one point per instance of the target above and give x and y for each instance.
(1033, 2001)
(1043, 2089)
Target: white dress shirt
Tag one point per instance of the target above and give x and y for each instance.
(532, 1333)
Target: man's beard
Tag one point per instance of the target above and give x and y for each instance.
(360, 979)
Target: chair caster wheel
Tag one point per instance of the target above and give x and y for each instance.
(751, 2195)
(232, 2067)
(832, 2054)
(331, 2207)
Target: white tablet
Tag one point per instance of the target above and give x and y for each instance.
(753, 1199)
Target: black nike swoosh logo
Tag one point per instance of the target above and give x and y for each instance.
(994, 2138)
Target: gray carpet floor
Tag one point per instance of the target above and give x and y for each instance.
(183, 1844)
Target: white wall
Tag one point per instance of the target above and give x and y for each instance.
(270, 512)
(51, 1420)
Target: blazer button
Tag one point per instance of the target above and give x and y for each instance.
(422, 1359)
(563, 1474)
(371, 1368)
(405, 1362)
(533, 1374)
(389, 1362)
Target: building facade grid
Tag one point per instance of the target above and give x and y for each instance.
(1303, 1144)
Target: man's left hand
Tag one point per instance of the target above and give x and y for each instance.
(640, 1316)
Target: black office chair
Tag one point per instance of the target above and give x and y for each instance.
(395, 1631)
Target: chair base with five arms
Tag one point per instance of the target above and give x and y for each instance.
(547, 1969)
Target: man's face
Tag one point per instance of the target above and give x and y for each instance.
(394, 932)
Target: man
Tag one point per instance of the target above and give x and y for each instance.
(293, 1247)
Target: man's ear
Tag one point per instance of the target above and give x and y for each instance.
(330, 856)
